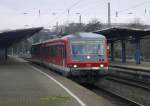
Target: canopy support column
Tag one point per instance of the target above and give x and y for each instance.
(3, 54)
(6, 54)
(123, 51)
(137, 51)
(112, 51)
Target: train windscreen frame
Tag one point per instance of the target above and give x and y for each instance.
(88, 50)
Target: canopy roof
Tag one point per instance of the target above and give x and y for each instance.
(118, 33)
(7, 38)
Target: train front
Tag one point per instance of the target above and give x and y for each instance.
(88, 55)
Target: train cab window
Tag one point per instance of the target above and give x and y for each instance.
(86, 49)
(83, 48)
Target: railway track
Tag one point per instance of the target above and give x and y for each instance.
(130, 68)
(131, 82)
(125, 100)
(139, 76)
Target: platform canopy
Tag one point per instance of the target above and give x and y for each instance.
(122, 34)
(119, 33)
(7, 38)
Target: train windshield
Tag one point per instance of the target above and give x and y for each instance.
(94, 48)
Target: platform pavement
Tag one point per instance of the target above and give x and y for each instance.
(130, 64)
(22, 85)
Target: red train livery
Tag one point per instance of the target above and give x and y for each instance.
(83, 55)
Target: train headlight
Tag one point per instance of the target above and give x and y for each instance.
(88, 57)
(101, 65)
(75, 66)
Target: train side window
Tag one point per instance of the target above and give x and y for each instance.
(55, 50)
(50, 51)
(44, 50)
(47, 51)
(59, 50)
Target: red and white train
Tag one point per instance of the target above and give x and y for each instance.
(83, 55)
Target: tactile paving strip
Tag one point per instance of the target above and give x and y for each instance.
(35, 101)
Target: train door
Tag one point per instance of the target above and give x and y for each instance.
(62, 55)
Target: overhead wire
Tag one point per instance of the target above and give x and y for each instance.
(70, 7)
(135, 6)
(79, 1)
(67, 10)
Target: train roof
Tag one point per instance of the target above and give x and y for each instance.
(84, 35)
(79, 35)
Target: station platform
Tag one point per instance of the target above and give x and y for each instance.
(130, 64)
(21, 84)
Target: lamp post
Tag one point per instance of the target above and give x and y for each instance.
(80, 17)
(109, 17)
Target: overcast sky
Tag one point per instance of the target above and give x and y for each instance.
(25, 13)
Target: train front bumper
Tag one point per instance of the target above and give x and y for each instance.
(96, 71)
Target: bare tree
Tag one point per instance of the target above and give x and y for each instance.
(137, 23)
(93, 25)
